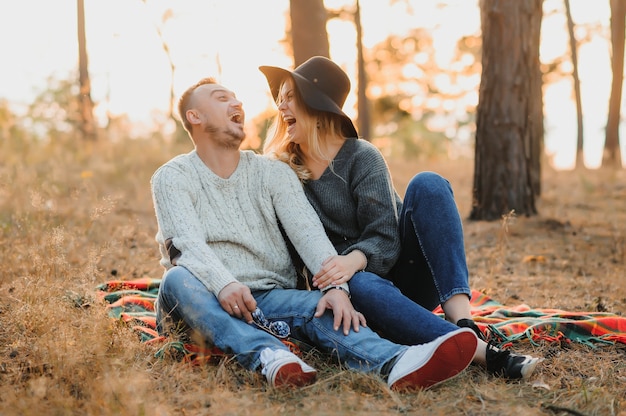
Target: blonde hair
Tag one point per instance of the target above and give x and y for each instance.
(319, 126)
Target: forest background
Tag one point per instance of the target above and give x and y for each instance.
(131, 75)
(75, 213)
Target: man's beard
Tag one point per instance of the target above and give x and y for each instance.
(228, 138)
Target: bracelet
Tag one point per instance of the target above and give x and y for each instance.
(343, 289)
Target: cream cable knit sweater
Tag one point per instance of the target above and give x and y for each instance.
(226, 229)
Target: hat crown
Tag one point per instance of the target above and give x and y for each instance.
(323, 85)
(327, 77)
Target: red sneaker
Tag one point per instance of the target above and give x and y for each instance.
(284, 369)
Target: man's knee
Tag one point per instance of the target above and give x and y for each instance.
(167, 317)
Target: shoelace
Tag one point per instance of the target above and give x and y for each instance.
(279, 329)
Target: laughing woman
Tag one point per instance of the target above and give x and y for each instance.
(415, 245)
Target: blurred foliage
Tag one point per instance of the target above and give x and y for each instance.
(53, 116)
(420, 106)
(55, 111)
(10, 130)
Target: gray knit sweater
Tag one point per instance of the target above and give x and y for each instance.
(358, 205)
(226, 229)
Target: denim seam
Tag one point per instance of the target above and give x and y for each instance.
(419, 241)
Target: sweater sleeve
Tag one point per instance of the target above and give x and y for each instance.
(377, 205)
(173, 197)
(302, 225)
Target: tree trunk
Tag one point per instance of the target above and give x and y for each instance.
(363, 103)
(506, 120)
(535, 120)
(612, 155)
(308, 29)
(87, 121)
(579, 108)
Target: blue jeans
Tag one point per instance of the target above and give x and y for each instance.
(431, 268)
(183, 299)
(393, 315)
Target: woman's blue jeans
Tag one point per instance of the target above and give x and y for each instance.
(392, 314)
(431, 269)
(183, 299)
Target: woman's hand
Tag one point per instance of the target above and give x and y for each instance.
(339, 269)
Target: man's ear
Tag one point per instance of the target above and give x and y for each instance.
(192, 116)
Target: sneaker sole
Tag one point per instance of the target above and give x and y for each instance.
(291, 375)
(529, 368)
(451, 357)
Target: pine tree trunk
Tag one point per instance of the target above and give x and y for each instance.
(579, 108)
(87, 121)
(364, 120)
(612, 156)
(506, 122)
(308, 29)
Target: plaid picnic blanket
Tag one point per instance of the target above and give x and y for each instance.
(132, 301)
(507, 324)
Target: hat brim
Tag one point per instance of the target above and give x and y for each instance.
(312, 96)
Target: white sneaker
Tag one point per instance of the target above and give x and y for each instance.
(284, 368)
(423, 366)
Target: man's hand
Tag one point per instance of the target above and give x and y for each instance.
(343, 311)
(237, 300)
(339, 269)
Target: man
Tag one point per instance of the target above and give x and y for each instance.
(222, 208)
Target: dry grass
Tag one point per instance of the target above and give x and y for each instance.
(70, 218)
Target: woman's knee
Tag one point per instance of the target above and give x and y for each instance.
(427, 186)
(428, 182)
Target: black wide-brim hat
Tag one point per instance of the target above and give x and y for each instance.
(323, 85)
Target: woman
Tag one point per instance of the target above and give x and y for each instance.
(416, 245)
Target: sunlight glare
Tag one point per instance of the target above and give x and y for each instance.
(131, 76)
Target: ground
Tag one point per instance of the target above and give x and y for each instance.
(72, 217)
